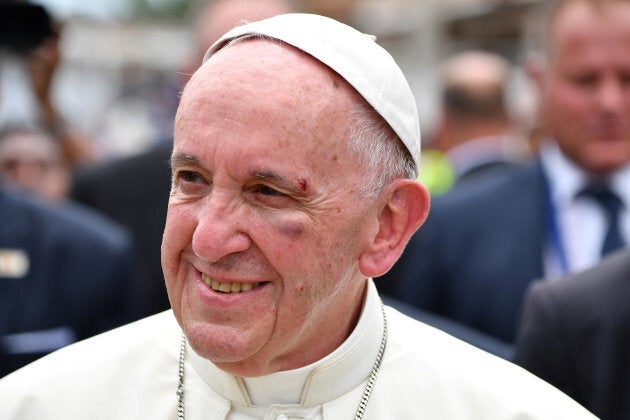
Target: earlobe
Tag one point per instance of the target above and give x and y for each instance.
(406, 208)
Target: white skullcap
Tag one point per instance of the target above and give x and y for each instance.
(354, 56)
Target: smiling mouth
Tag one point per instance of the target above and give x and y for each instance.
(229, 287)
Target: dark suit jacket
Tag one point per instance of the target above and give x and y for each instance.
(575, 334)
(478, 251)
(79, 281)
(134, 191)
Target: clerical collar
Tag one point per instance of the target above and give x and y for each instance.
(344, 369)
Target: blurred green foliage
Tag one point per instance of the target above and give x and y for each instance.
(160, 9)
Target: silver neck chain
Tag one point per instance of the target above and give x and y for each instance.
(369, 386)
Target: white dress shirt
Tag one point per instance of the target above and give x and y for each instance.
(581, 221)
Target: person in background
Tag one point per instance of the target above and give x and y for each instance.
(482, 246)
(476, 131)
(65, 275)
(295, 159)
(575, 334)
(134, 190)
(30, 36)
(33, 160)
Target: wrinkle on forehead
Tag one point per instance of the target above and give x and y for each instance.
(299, 99)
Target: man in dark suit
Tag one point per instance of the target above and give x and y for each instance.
(482, 246)
(66, 273)
(575, 334)
(134, 192)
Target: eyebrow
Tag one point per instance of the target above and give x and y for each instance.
(301, 185)
(180, 159)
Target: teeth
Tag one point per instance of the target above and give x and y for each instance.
(230, 287)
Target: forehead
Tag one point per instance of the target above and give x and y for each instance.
(584, 22)
(265, 92)
(29, 146)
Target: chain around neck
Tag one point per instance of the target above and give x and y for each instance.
(369, 386)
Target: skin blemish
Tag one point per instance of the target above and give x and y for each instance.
(303, 184)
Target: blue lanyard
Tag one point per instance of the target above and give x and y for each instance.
(553, 229)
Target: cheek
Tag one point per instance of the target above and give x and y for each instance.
(568, 100)
(289, 227)
(177, 236)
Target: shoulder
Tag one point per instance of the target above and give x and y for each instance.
(97, 224)
(450, 376)
(25, 217)
(603, 288)
(518, 179)
(489, 201)
(103, 370)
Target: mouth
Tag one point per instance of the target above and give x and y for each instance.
(228, 287)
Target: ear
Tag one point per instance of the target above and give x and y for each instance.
(405, 208)
(534, 67)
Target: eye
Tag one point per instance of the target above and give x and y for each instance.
(585, 80)
(267, 191)
(189, 176)
(189, 183)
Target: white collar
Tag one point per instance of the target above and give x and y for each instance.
(327, 379)
(566, 178)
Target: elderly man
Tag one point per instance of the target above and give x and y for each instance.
(294, 166)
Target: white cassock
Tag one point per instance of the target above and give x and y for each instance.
(132, 373)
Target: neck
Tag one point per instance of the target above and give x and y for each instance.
(308, 344)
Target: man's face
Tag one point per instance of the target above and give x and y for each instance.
(586, 90)
(33, 161)
(264, 200)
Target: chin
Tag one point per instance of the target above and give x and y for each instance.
(220, 344)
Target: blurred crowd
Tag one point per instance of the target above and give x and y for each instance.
(522, 254)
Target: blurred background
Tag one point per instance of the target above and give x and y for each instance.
(120, 67)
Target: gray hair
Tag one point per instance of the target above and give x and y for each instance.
(372, 141)
(379, 150)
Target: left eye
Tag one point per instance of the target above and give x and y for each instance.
(268, 191)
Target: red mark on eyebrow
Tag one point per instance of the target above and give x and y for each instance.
(303, 184)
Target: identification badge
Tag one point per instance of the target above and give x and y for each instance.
(14, 263)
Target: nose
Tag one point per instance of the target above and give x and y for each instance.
(220, 230)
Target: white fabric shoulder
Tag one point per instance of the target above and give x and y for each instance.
(101, 377)
(430, 372)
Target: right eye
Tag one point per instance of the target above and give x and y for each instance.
(189, 183)
(189, 176)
